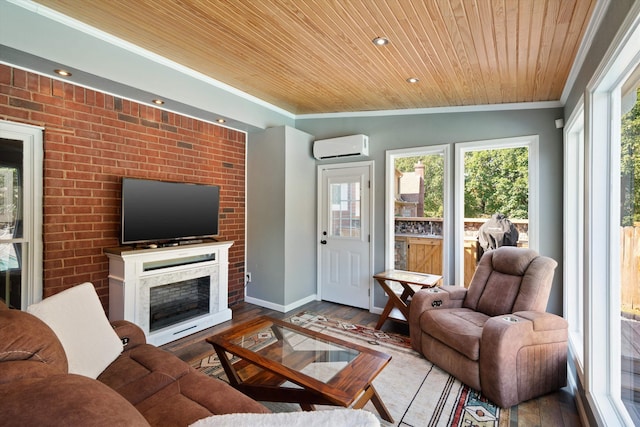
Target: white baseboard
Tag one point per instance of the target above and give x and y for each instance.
(279, 307)
(376, 310)
(285, 308)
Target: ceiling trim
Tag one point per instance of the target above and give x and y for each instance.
(179, 108)
(436, 110)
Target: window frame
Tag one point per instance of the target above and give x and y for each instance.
(33, 159)
(574, 231)
(461, 148)
(391, 156)
(602, 252)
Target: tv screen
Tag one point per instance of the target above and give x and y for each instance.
(158, 211)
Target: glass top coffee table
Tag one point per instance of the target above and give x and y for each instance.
(277, 361)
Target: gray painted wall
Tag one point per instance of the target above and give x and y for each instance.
(300, 216)
(266, 215)
(395, 132)
(281, 216)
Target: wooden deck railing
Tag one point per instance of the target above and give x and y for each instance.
(630, 267)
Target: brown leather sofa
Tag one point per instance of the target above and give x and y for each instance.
(495, 336)
(143, 386)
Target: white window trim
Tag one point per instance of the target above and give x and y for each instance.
(573, 225)
(602, 311)
(389, 229)
(31, 136)
(530, 141)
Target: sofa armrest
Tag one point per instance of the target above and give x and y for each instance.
(130, 333)
(431, 299)
(66, 400)
(519, 347)
(17, 370)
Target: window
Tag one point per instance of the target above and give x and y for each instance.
(344, 219)
(402, 210)
(11, 219)
(20, 214)
(629, 221)
(504, 171)
(417, 215)
(610, 206)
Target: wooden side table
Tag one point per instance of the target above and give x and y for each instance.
(400, 286)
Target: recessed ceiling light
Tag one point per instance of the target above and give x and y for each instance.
(221, 120)
(62, 72)
(158, 101)
(413, 80)
(380, 41)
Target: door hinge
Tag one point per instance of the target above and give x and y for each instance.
(369, 238)
(369, 184)
(369, 292)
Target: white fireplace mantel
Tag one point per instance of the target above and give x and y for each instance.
(133, 272)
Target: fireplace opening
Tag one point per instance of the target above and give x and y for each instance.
(176, 302)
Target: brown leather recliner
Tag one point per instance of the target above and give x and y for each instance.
(495, 336)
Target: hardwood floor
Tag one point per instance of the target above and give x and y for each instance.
(555, 409)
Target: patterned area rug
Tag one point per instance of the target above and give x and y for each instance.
(416, 392)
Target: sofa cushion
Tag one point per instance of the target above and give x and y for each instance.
(499, 294)
(195, 396)
(458, 328)
(78, 319)
(512, 260)
(142, 371)
(497, 280)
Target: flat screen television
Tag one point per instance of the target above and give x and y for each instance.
(167, 212)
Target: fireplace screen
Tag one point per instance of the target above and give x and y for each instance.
(179, 301)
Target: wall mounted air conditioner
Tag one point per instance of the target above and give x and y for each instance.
(344, 146)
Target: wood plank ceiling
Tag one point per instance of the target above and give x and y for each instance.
(317, 56)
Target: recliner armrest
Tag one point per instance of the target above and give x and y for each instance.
(507, 351)
(507, 333)
(543, 321)
(438, 297)
(455, 292)
(130, 333)
(431, 299)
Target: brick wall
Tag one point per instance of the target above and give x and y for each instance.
(92, 140)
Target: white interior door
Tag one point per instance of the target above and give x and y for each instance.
(345, 234)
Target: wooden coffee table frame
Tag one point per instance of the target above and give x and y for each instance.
(350, 387)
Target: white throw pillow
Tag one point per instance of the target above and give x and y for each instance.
(77, 317)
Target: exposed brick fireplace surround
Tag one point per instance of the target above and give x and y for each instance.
(92, 140)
